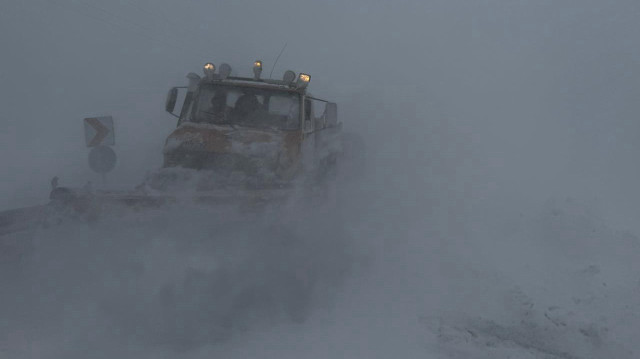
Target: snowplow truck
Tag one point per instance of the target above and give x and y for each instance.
(237, 139)
(250, 131)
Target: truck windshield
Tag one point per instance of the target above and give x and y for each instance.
(246, 106)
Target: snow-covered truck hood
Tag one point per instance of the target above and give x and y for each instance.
(278, 148)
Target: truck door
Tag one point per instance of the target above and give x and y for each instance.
(308, 116)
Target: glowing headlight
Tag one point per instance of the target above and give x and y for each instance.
(303, 80)
(257, 69)
(209, 69)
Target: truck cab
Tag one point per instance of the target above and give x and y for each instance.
(255, 130)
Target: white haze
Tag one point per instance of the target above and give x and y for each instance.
(497, 216)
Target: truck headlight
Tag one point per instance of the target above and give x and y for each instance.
(257, 69)
(303, 80)
(209, 69)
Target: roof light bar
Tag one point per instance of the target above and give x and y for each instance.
(257, 69)
(209, 69)
(303, 80)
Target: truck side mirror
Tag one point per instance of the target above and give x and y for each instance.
(172, 97)
(331, 114)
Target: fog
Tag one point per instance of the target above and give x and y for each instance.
(496, 216)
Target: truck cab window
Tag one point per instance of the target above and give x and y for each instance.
(247, 106)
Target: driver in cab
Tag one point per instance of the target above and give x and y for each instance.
(247, 109)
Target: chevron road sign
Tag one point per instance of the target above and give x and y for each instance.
(99, 131)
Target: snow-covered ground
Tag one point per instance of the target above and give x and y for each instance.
(547, 281)
(566, 290)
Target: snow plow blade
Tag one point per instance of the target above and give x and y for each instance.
(91, 206)
(21, 219)
(216, 197)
